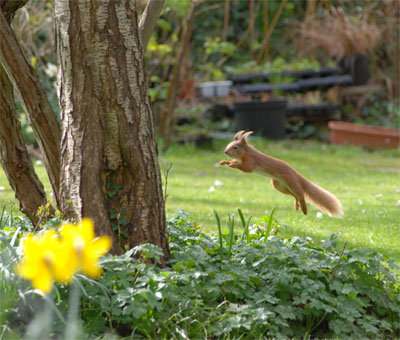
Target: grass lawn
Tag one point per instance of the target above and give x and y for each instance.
(367, 184)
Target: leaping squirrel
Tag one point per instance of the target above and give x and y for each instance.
(283, 177)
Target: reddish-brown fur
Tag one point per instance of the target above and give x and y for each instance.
(283, 177)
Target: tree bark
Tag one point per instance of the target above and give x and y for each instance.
(9, 7)
(149, 19)
(14, 156)
(109, 157)
(38, 109)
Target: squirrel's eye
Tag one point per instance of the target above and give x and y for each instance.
(235, 147)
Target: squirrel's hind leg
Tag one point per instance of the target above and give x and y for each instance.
(299, 198)
(300, 203)
(303, 206)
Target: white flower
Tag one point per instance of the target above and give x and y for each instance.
(252, 229)
(51, 70)
(319, 214)
(218, 183)
(398, 203)
(360, 202)
(2, 188)
(378, 195)
(38, 162)
(212, 189)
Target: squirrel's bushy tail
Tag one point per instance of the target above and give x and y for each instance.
(322, 199)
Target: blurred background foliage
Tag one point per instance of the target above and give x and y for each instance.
(237, 36)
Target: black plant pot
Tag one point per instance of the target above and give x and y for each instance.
(357, 67)
(265, 118)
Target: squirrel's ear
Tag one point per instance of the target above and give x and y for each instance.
(245, 135)
(238, 135)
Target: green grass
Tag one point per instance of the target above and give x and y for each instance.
(354, 175)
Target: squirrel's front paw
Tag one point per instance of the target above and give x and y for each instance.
(233, 164)
(224, 162)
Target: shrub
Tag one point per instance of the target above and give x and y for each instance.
(248, 285)
(278, 288)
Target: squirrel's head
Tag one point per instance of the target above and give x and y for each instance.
(236, 148)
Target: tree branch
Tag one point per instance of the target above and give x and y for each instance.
(14, 156)
(225, 26)
(149, 19)
(16, 161)
(167, 114)
(264, 43)
(39, 111)
(9, 7)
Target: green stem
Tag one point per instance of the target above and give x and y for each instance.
(73, 312)
(221, 247)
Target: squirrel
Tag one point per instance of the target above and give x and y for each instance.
(283, 177)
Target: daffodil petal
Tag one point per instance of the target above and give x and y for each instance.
(43, 282)
(26, 271)
(87, 229)
(101, 245)
(92, 253)
(91, 268)
(67, 263)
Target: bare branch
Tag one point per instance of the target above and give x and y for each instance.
(16, 161)
(225, 27)
(149, 19)
(37, 106)
(166, 173)
(14, 156)
(264, 43)
(167, 114)
(9, 7)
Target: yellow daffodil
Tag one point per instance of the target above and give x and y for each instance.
(87, 247)
(40, 255)
(59, 256)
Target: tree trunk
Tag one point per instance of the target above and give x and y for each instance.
(109, 163)
(14, 156)
(38, 109)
